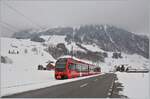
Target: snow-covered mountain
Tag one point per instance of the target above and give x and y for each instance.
(104, 37)
(111, 38)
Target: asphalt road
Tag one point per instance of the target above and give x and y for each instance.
(95, 87)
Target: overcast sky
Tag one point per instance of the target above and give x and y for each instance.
(132, 15)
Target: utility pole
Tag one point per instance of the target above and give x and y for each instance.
(72, 43)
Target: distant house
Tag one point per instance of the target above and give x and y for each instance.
(50, 66)
(40, 67)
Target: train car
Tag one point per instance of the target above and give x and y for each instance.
(72, 68)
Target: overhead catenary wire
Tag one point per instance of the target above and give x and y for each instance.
(20, 13)
(8, 29)
(9, 25)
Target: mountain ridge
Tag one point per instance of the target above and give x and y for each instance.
(106, 37)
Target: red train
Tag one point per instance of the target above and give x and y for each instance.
(72, 68)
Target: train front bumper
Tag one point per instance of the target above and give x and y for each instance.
(61, 75)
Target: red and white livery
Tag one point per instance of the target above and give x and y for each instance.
(72, 68)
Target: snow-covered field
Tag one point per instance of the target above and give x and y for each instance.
(133, 61)
(23, 69)
(135, 85)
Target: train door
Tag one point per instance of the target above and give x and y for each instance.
(72, 69)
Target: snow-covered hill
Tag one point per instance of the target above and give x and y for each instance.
(134, 60)
(24, 49)
(56, 39)
(106, 37)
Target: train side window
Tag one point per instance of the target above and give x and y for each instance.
(72, 66)
(79, 67)
(86, 68)
(83, 67)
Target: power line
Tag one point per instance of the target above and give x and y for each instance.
(22, 15)
(8, 29)
(2, 22)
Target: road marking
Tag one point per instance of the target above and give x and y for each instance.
(84, 85)
(95, 79)
(111, 88)
(112, 84)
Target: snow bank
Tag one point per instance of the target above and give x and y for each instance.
(136, 85)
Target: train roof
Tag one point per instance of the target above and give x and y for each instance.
(77, 59)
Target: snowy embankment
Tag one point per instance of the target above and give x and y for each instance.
(135, 85)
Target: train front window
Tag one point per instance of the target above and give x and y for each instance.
(61, 63)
